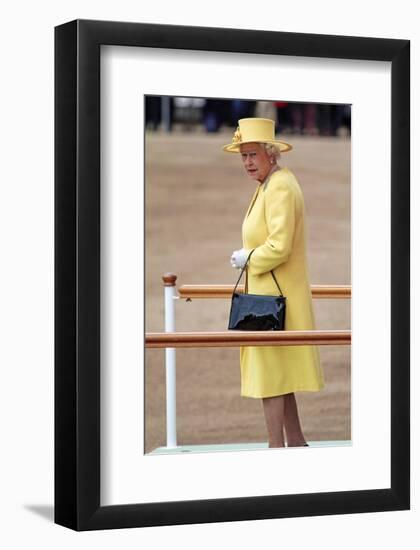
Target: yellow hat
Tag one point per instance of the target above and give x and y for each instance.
(255, 130)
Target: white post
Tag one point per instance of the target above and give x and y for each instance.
(170, 361)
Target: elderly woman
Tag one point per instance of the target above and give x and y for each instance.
(274, 227)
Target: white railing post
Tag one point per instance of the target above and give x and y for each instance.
(169, 281)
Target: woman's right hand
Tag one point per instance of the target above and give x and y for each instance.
(239, 258)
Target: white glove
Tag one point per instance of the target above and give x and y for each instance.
(239, 258)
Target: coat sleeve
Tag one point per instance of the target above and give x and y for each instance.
(279, 208)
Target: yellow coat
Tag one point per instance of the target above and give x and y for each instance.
(274, 226)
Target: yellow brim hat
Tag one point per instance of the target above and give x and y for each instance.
(255, 130)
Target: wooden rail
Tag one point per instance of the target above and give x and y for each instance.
(189, 292)
(235, 338)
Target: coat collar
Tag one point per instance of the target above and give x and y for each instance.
(267, 179)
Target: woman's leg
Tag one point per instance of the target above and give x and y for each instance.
(274, 419)
(294, 434)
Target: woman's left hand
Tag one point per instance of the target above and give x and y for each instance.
(239, 258)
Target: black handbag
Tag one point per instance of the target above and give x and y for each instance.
(256, 311)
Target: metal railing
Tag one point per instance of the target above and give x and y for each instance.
(225, 291)
(170, 340)
(247, 338)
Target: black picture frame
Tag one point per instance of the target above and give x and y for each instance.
(77, 274)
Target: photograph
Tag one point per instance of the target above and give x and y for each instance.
(261, 191)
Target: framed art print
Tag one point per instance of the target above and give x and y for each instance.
(153, 425)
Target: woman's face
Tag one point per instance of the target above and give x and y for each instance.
(256, 161)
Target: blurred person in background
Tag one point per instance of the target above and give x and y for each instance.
(334, 119)
(153, 112)
(342, 120)
(303, 116)
(325, 115)
(213, 114)
(274, 228)
(241, 108)
(283, 116)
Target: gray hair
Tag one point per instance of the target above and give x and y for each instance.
(272, 150)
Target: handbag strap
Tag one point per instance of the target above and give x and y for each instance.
(246, 283)
(277, 284)
(242, 270)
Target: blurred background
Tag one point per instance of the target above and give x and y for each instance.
(212, 115)
(195, 199)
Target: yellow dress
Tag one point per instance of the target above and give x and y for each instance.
(274, 226)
